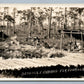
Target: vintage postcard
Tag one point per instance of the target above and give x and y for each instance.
(41, 41)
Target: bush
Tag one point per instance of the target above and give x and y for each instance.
(7, 53)
(3, 53)
(59, 55)
(29, 54)
(5, 56)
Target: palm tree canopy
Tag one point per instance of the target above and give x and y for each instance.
(9, 18)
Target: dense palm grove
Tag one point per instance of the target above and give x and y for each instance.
(40, 19)
(39, 27)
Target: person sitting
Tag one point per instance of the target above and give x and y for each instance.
(78, 47)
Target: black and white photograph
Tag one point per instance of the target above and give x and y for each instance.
(42, 41)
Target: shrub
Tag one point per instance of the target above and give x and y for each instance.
(29, 54)
(59, 55)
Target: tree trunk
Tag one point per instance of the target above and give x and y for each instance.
(50, 17)
(56, 28)
(7, 27)
(65, 19)
(14, 20)
(79, 21)
(30, 24)
(30, 27)
(74, 22)
(61, 40)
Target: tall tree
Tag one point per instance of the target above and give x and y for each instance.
(14, 13)
(6, 11)
(50, 18)
(9, 19)
(80, 10)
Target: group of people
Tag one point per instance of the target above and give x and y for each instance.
(75, 46)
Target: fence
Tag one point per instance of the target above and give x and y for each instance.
(71, 32)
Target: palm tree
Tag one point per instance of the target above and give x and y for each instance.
(80, 10)
(14, 13)
(9, 20)
(73, 14)
(41, 17)
(6, 11)
(47, 15)
(20, 12)
(31, 19)
(50, 17)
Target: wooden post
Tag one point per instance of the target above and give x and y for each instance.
(71, 36)
(61, 40)
(81, 37)
(74, 22)
(55, 31)
(7, 27)
(2, 35)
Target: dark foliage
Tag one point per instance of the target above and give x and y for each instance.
(59, 55)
